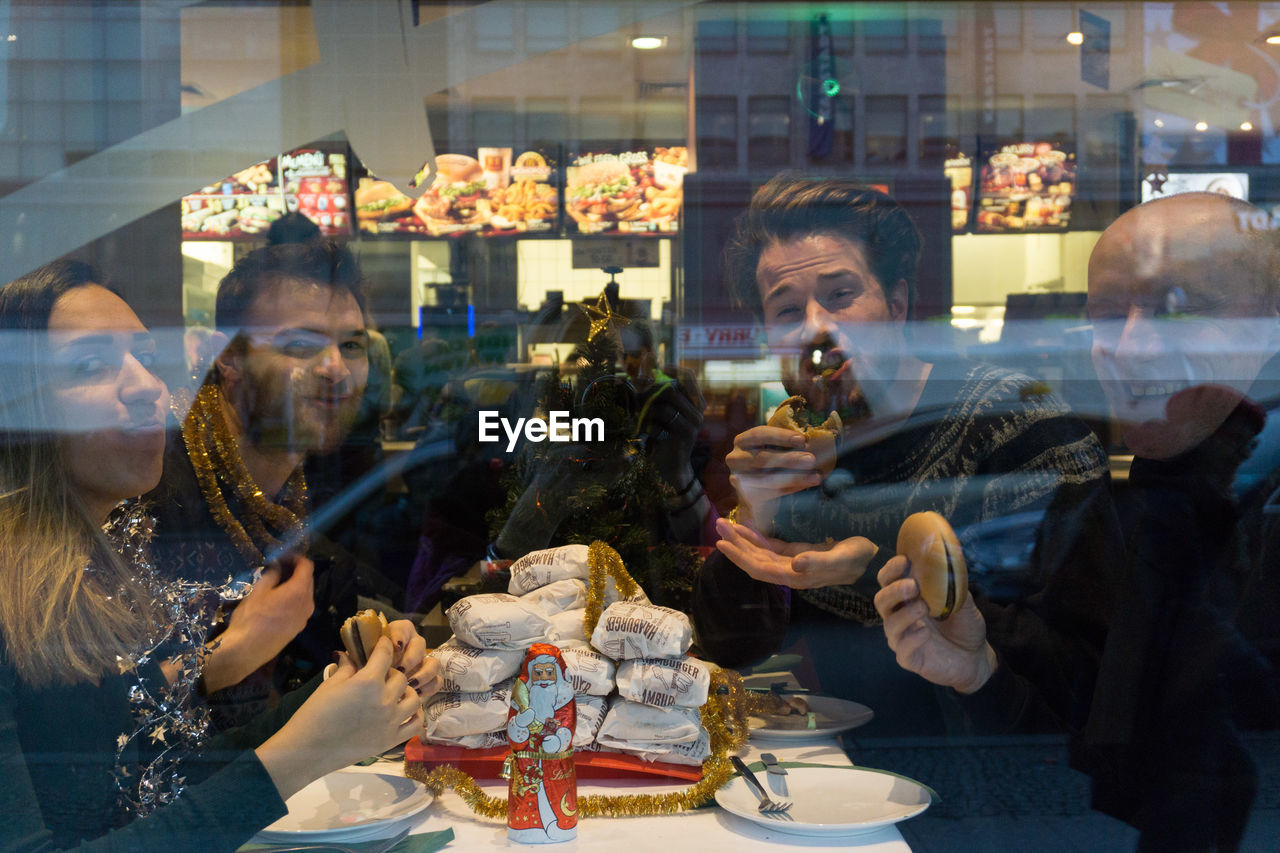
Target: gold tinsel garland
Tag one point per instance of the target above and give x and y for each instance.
(604, 563)
(724, 716)
(216, 459)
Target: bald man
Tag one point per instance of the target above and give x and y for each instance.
(1183, 298)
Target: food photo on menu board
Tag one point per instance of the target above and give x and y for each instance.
(1026, 186)
(315, 184)
(241, 206)
(628, 192)
(493, 193)
(958, 168)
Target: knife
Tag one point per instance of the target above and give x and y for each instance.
(777, 775)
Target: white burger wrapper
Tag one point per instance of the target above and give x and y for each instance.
(588, 671)
(567, 628)
(496, 620)
(665, 682)
(694, 752)
(591, 711)
(538, 569)
(629, 630)
(568, 594)
(455, 715)
(488, 740)
(466, 669)
(631, 722)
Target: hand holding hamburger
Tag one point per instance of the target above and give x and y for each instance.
(930, 621)
(365, 631)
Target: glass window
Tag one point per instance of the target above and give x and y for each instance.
(765, 36)
(885, 31)
(717, 132)
(768, 131)
(886, 137)
(1009, 336)
(717, 36)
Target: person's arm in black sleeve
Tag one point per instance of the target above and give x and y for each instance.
(219, 814)
(737, 620)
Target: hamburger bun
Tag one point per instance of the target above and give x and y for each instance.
(818, 440)
(457, 169)
(361, 633)
(599, 172)
(937, 563)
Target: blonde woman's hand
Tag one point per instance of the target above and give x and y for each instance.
(411, 658)
(355, 713)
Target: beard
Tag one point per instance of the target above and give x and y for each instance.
(542, 699)
(299, 413)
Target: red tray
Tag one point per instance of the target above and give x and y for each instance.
(487, 763)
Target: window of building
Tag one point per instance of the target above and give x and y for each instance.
(886, 137)
(886, 32)
(768, 131)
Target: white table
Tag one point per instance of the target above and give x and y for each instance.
(704, 829)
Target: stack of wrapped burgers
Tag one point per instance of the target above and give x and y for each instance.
(637, 647)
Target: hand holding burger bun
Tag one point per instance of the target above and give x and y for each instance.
(937, 563)
(361, 633)
(818, 440)
(930, 621)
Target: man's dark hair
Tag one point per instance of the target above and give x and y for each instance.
(790, 207)
(322, 262)
(293, 227)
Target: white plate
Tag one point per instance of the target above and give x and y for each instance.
(830, 716)
(830, 800)
(349, 804)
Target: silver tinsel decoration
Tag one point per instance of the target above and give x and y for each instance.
(171, 721)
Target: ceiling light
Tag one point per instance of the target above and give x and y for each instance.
(1159, 122)
(648, 42)
(1202, 126)
(1076, 38)
(1246, 126)
(1273, 38)
(12, 37)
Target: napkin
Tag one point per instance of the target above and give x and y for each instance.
(426, 842)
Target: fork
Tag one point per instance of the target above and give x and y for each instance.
(767, 804)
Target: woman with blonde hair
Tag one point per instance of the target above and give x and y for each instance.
(103, 740)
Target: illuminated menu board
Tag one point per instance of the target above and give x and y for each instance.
(495, 192)
(637, 191)
(1026, 187)
(315, 185)
(239, 207)
(312, 181)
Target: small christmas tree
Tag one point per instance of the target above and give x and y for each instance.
(578, 493)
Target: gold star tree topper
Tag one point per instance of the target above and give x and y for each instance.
(602, 317)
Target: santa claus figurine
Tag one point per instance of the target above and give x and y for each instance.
(542, 803)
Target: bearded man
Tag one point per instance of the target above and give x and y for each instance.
(288, 382)
(543, 790)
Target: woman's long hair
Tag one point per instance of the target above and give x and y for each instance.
(70, 610)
